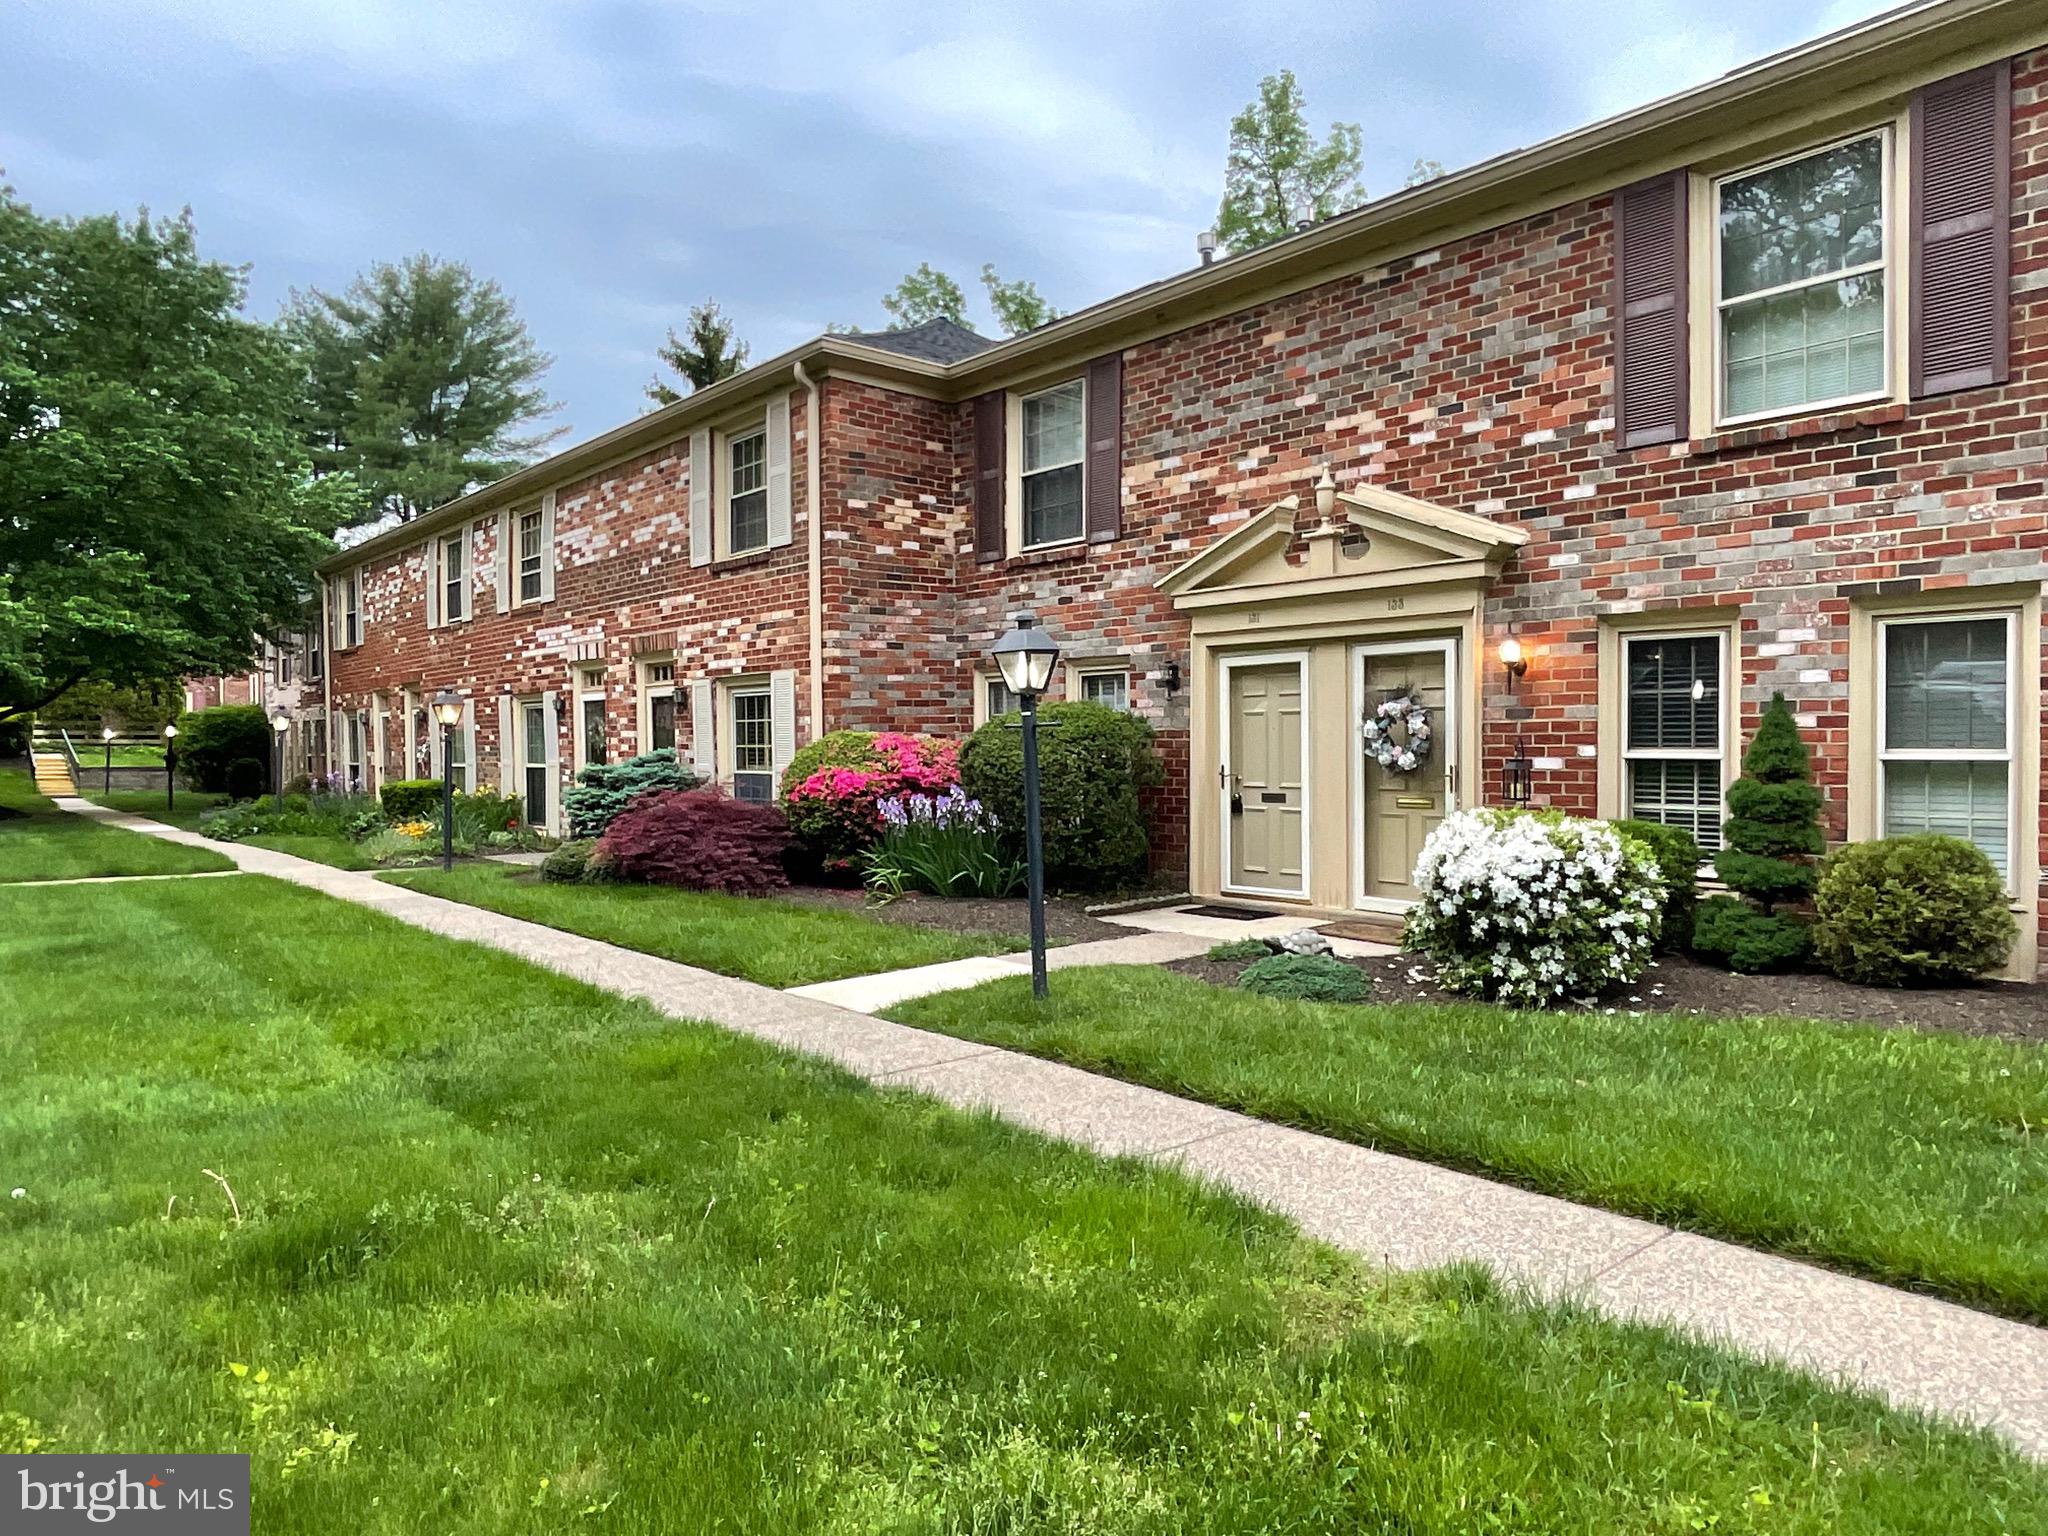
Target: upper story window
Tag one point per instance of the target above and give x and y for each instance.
(316, 664)
(352, 609)
(1672, 747)
(455, 576)
(746, 493)
(1801, 251)
(1945, 742)
(1053, 440)
(532, 552)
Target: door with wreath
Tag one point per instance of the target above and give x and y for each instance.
(1406, 741)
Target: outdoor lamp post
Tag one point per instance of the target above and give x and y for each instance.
(107, 768)
(1025, 657)
(280, 722)
(170, 767)
(448, 710)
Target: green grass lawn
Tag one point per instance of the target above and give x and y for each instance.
(189, 805)
(777, 943)
(516, 1256)
(1917, 1158)
(44, 843)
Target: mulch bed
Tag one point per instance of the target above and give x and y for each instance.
(1065, 920)
(1677, 984)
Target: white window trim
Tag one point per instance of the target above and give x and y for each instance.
(351, 609)
(730, 692)
(540, 570)
(1731, 696)
(722, 491)
(2008, 755)
(584, 692)
(465, 537)
(1078, 673)
(1013, 458)
(646, 691)
(1892, 264)
(982, 680)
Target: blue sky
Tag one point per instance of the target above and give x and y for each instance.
(611, 163)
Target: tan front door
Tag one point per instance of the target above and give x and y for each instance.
(1262, 778)
(1400, 809)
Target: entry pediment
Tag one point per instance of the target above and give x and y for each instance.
(1372, 537)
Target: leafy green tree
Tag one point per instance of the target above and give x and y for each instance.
(706, 352)
(1278, 174)
(420, 380)
(1019, 306)
(157, 510)
(1424, 169)
(926, 295)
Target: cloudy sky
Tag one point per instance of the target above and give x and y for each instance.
(611, 162)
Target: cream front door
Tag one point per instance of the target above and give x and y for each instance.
(1398, 810)
(1263, 803)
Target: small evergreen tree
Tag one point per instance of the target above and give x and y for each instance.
(1772, 837)
(1773, 832)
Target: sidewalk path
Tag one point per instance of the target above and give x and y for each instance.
(1915, 1350)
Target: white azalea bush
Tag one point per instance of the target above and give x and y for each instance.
(1534, 907)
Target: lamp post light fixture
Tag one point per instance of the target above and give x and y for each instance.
(1025, 657)
(1512, 658)
(280, 722)
(448, 710)
(170, 767)
(107, 767)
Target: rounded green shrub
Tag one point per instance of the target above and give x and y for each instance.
(568, 864)
(211, 741)
(1677, 857)
(1310, 978)
(1918, 911)
(1730, 931)
(1239, 949)
(247, 778)
(1095, 764)
(411, 799)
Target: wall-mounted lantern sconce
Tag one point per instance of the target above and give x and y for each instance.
(1517, 776)
(561, 705)
(682, 699)
(1172, 679)
(1512, 658)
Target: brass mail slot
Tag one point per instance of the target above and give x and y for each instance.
(1416, 802)
(1272, 797)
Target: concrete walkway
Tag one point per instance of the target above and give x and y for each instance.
(885, 989)
(1915, 1350)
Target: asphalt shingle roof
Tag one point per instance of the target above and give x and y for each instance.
(936, 341)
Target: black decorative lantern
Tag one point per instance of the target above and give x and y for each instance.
(1517, 776)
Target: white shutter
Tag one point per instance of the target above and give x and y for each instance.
(778, 471)
(554, 757)
(703, 738)
(700, 498)
(547, 547)
(508, 535)
(468, 729)
(431, 564)
(508, 755)
(434, 743)
(373, 777)
(781, 721)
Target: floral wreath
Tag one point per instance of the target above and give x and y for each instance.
(1397, 732)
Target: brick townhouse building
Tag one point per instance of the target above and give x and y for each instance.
(1741, 392)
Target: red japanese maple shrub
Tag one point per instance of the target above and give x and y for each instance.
(699, 839)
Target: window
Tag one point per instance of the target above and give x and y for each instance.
(590, 718)
(531, 551)
(746, 493)
(753, 748)
(1054, 439)
(657, 687)
(1671, 733)
(455, 577)
(1945, 740)
(314, 738)
(316, 663)
(996, 698)
(534, 730)
(353, 730)
(1800, 252)
(282, 650)
(351, 609)
(1111, 688)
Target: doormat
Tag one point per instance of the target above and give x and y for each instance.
(1235, 914)
(1369, 930)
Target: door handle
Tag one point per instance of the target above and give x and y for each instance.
(1450, 786)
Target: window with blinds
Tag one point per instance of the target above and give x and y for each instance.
(1672, 745)
(753, 746)
(1945, 742)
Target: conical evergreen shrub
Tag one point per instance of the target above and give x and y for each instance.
(1771, 839)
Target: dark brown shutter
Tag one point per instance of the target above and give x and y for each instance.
(1104, 475)
(1961, 231)
(1652, 382)
(991, 477)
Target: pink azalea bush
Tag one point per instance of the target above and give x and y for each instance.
(833, 803)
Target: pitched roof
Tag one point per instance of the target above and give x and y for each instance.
(936, 341)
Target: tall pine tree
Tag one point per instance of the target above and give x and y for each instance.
(706, 352)
(419, 379)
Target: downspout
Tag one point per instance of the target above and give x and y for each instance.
(327, 731)
(814, 479)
